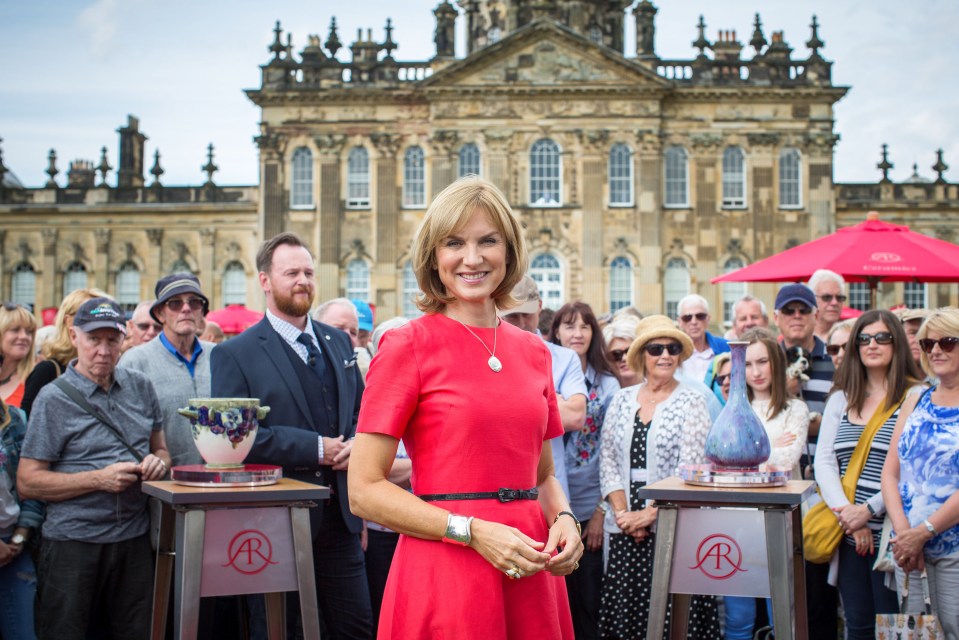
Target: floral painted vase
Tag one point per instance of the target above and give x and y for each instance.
(224, 428)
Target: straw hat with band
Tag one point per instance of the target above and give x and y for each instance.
(650, 328)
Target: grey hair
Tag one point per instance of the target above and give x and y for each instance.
(690, 299)
(824, 275)
(335, 302)
(624, 327)
(750, 298)
(382, 328)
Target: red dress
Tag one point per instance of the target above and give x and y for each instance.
(466, 429)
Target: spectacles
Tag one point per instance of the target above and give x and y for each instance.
(827, 298)
(689, 317)
(946, 344)
(881, 338)
(721, 379)
(791, 311)
(175, 304)
(146, 326)
(656, 350)
(834, 349)
(617, 355)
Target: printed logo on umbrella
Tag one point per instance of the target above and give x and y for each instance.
(885, 256)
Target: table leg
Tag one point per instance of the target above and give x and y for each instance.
(779, 556)
(680, 617)
(662, 566)
(305, 578)
(799, 576)
(163, 580)
(276, 615)
(189, 565)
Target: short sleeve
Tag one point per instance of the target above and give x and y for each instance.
(554, 422)
(392, 386)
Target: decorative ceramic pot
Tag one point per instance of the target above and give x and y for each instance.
(737, 440)
(224, 428)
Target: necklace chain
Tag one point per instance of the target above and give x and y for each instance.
(493, 362)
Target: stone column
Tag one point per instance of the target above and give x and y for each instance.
(593, 145)
(387, 215)
(208, 276)
(328, 232)
(274, 216)
(648, 228)
(49, 283)
(444, 159)
(101, 260)
(154, 257)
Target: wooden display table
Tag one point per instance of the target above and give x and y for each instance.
(230, 541)
(727, 549)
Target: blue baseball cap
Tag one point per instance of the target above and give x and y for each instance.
(365, 313)
(795, 293)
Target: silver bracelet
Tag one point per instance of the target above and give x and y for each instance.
(458, 529)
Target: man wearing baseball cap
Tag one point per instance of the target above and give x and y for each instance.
(95, 573)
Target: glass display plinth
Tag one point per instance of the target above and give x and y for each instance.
(708, 475)
(244, 475)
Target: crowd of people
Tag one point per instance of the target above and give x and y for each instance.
(490, 453)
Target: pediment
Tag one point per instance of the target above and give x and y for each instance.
(546, 54)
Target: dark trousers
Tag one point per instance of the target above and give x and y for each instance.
(584, 587)
(343, 594)
(380, 546)
(821, 603)
(863, 593)
(86, 589)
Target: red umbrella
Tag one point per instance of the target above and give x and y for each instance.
(234, 318)
(849, 312)
(867, 252)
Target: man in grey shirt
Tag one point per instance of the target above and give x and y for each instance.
(96, 566)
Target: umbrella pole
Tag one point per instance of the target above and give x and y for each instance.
(873, 292)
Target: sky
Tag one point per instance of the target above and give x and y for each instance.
(74, 69)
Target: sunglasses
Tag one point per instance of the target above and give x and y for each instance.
(721, 379)
(881, 338)
(617, 355)
(656, 350)
(177, 303)
(834, 349)
(830, 297)
(145, 326)
(791, 311)
(689, 317)
(946, 344)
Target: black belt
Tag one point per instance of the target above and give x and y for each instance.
(503, 495)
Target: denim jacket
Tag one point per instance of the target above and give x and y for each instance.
(11, 439)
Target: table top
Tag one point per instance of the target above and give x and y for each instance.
(285, 490)
(675, 490)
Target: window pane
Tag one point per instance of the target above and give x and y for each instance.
(544, 174)
(676, 177)
(180, 266)
(734, 178)
(676, 285)
(790, 178)
(74, 278)
(301, 192)
(234, 284)
(128, 286)
(358, 280)
(620, 283)
(915, 295)
(859, 297)
(24, 285)
(358, 178)
(410, 291)
(414, 178)
(732, 291)
(620, 175)
(469, 160)
(547, 273)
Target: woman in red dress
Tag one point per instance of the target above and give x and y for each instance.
(487, 532)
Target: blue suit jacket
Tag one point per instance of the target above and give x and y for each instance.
(254, 365)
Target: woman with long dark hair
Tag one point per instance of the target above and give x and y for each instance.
(575, 327)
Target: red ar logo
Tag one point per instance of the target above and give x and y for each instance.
(719, 557)
(250, 552)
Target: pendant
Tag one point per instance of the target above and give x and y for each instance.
(495, 364)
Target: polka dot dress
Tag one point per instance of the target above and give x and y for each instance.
(627, 585)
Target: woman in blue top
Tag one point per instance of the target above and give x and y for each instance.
(575, 327)
(921, 476)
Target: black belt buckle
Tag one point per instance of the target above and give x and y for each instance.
(508, 495)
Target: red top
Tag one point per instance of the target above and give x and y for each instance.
(15, 399)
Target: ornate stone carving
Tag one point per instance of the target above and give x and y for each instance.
(762, 139)
(233, 250)
(102, 237)
(547, 64)
(26, 251)
(49, 241)
(387, 144)
(329, 143)
(498, 140)
(649, 141)
(208, 236)
(444, 141)
(155, 236)
(821, 142)
(593, 140)
(706, 141)
(270, 141)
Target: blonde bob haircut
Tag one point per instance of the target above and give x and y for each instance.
(450, 212)
(60, 347)
(945, 322)
(15, 318)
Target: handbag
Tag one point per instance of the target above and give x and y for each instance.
(822, 532)
(884, 560)
(910, 626)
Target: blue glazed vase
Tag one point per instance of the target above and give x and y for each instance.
(737, 440)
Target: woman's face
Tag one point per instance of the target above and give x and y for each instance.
(873, 354)
(575, 334)
(724, 372)
(944, 364)
(15, 344)
(472, 261)
(759, 371)
(662, 366)
(838, 340)
(617, 354)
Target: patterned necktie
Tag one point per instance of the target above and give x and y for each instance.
(313, 356)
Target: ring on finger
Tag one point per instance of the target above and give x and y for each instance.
(514, 573)
(576, 566)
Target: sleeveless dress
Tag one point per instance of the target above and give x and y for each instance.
(466, 429)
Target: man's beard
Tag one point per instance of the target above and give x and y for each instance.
(295, 307)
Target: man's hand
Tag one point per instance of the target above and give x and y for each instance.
(8, 552)
(118, 476)
(342, 460)
(152, 468)
(336, 452)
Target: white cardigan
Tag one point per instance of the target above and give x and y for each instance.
(677, 436)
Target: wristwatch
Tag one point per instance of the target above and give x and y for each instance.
(603, 506)
(931, 529)
(18, 538)
(579, 527)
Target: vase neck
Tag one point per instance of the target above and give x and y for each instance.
(737, 373)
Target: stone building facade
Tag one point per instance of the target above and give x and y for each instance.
(637, 178)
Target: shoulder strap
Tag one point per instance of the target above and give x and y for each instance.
(859, 454)
(77, 397)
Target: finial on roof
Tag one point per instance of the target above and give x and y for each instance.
(701, 42)
(388, 44)
(52, 170)
(209, 168)
(333, 43)
(758, 40)
(885, 165)
(814, 42)
(277, 47)
(157, 170)
(940, 167)
(104, 167)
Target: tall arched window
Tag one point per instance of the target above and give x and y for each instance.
(24, 285)
(676, 177)
(74, 277)
(547, 273)
(790, 179)
(358, 179)
(915, 295)
(620, 176)
(676, 284)
(358, 280)
(234, 284)
(859, 296)
(301, 187)
(732, 291)
(414, 178)
(128, 286)
(545, 174)
(410, 290)
(469, 160)
(734, 178)
(620, 283)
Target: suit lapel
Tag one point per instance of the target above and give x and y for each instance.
(273, 345)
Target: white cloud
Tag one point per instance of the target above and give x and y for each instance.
(100, 21)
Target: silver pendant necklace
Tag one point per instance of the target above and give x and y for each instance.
(493, 361)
